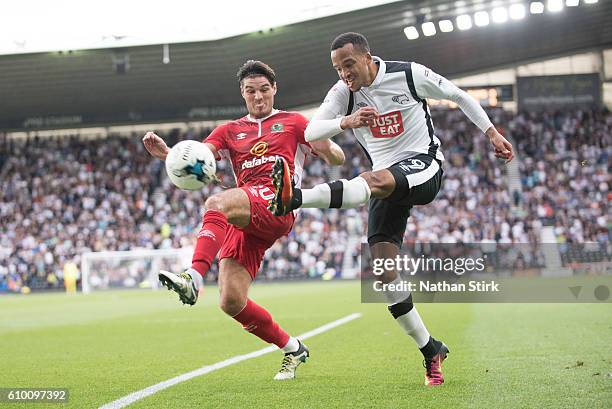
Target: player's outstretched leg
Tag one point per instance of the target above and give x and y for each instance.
(258, 321)
(185, 284)
(229, 207)
(339, 194)
(291, 361)
(234, 283)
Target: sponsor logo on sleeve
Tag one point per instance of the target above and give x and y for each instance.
(435, 78)
(388, 125)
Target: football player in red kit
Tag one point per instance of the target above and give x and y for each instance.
(236, 223)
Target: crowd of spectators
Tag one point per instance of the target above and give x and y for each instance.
(61, 197)
(565, 171)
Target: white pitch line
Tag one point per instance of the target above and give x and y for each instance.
(143, 393)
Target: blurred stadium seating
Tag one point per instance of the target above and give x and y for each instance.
(64, 196)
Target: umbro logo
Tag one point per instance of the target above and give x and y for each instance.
(241, 135)
(362, 104)
(402, 99)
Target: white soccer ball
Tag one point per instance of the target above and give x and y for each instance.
(190, 165)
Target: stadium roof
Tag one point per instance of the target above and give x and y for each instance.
(199, 78)
(39, 26)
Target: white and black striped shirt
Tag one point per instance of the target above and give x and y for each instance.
(404, 128)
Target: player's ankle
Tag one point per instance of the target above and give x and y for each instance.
(296, 199)
(293, 345)
(431, 348)
(196, 276)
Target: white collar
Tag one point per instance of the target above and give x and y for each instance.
(382, 69)
(250, 118)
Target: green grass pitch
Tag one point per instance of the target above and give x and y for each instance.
(106, 345)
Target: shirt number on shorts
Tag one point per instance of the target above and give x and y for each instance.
(416, 164)
(266, 193)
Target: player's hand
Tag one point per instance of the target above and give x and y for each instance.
(503, 148)
(155, 145)
(362, 117)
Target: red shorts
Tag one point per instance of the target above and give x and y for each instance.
(248, 245)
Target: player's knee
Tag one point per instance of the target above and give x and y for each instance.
(380, 186)
(370, 178)
(217, 203)
(231, 304)
(384, 244)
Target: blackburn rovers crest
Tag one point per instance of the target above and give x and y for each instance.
(277, 127)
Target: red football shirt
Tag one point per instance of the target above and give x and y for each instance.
(252, 146)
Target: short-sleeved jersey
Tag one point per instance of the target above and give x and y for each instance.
(404, 128)
(252, 146)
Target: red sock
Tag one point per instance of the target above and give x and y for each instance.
(210, 239)
(259, 322)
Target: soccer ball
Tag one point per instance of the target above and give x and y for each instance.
(190, 165)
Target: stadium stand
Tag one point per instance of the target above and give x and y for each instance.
(108, 194)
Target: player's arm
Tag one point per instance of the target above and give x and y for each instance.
(329, 151)
(428, 84)
(213, 149)
(158, 148)
(330, 118)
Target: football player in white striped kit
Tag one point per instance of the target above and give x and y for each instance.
(384, 103)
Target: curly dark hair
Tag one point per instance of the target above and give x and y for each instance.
(254, 68)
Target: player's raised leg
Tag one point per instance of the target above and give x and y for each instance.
(339, 194)
(234, 283)
(229, 207)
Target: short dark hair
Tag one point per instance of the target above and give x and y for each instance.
(253, 68)
(358, 40)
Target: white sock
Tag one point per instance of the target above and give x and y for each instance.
(317, 197)
(341, 193)
(292, 345)
(412, 323)
(196, 277)
(355, 192)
